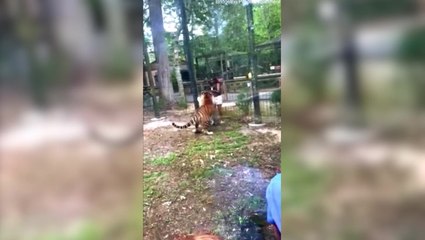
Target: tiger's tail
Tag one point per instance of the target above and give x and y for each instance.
(190, 123)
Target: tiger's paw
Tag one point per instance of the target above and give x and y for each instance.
(196, 131)
(209, 133)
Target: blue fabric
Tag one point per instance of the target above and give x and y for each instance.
(274, 199)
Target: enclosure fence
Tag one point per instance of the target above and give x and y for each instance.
(237, 96)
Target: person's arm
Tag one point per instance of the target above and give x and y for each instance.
(270, 209)
(273, 197)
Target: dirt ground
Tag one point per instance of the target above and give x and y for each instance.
(195, 183)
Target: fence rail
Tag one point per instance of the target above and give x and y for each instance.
(264, 81)
(233, 89)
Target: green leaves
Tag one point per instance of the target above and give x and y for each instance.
(267, 21)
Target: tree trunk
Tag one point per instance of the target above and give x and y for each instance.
(160, 47)
(177, 67)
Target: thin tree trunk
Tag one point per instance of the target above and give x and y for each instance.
(160, 47)
(177, 66)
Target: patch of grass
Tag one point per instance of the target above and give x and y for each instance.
(222, 145)
(243, 102)
(150, 182)
(165, 160)
(203, 153)
(239, 213)
(204, 173)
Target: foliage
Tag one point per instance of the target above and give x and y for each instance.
(235, 33)
(150, 183)
(267, 21)
(268, 57)
(275, 99)
(203, 44)
(243, 102)
(201, 12)
(166, 160)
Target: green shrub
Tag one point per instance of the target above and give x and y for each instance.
(243, 101)
(275, 99)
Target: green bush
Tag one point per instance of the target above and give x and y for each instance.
(275, 99)
(243, 101)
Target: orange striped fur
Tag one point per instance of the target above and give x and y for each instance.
(202, 117)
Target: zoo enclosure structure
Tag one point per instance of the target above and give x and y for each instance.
(237, 82)
(216, 64)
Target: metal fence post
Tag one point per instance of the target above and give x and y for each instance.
(253, 61)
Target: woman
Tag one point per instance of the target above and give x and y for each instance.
(217, 89)
(274, 203)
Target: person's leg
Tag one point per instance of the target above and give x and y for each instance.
(219, 102)
(220, 111)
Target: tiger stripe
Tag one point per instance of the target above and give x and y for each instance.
(203, 115)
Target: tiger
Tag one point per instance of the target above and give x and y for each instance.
(216, 118)
(202, 116)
